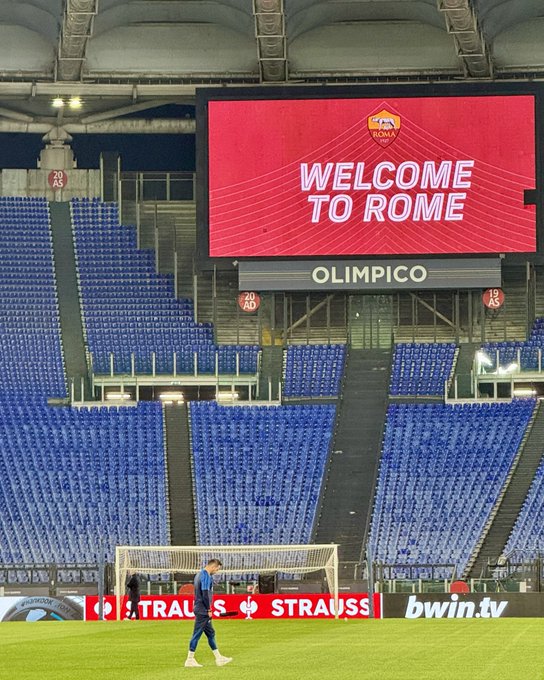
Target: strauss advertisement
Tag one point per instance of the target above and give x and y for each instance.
(401, 176)
(310, 606)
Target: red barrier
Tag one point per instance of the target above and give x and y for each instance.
(310, 606)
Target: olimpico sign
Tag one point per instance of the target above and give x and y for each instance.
(369, 275)
(401, 273)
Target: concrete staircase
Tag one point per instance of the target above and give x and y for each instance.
(271, 370)
(346, 499)
(180, 482)
(463, 368)
(71, 320)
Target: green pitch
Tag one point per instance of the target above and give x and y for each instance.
(505, 649)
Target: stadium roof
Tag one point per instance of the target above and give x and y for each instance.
(141, 53)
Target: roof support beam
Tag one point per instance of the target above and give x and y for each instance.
(463, 25)
(15, 115)
(271, 40)
(132, 91)
(130, 126)
(76, 30)
(123, 111)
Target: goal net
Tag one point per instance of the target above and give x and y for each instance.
(239, 561)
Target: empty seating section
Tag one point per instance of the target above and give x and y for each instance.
(30, 344)
(258, 471)
(74, 478)
(129, 308)
(528, 532)
(421, 369)
(508, 351)
(313, 370)
(442, 469)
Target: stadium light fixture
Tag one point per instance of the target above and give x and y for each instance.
(118, 396)
(227, 396)
(57, 103)
(483, 359)
(170, 397)
(511, 368)
(75, 103)
(524, 392)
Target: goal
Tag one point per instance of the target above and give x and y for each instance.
(239, 561)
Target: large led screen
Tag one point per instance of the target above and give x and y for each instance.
(382, 176)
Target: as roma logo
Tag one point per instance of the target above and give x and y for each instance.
(384, 127)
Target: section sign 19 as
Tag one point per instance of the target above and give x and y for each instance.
(493, 298)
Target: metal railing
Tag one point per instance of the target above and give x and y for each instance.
(52, 576)
(156, 186)
(522, 571)
(484, 365)
(195, 372)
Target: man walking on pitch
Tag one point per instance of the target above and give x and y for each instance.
(203, 615)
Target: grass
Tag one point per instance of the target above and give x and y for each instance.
(504, 649)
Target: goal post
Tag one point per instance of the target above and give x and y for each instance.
(240, 560)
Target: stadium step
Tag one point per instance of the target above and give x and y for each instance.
(172, 226)
(463, 368)
(73, 341)
(517, 487)
(271, 372)
(346, 500)
(180, 484)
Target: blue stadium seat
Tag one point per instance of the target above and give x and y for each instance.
(128, 308)
(508, 350)
(73, 479)
(258, 471)
(313, 370)
(421, 369)
(442, 469)
(31, 359)
(528, 532)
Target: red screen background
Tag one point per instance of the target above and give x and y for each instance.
(257, 207)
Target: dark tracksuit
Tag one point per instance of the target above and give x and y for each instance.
(203, 603)
(133, 587)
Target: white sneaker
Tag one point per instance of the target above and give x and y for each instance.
(223, 660)
(192, 663)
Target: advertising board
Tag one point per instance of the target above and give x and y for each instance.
(463, 606)
(290, 606)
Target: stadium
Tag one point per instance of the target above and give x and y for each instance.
(271, 339)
